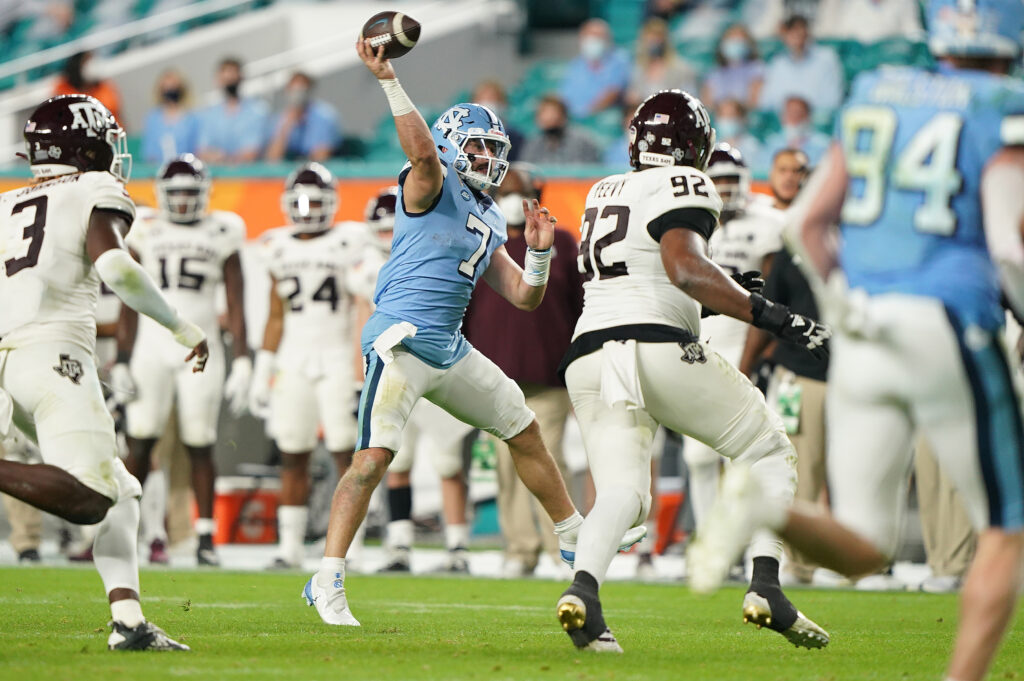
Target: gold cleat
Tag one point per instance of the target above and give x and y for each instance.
(572, 613)
(754, 613)
(803, 633)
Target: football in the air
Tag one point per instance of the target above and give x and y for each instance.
(397, 32)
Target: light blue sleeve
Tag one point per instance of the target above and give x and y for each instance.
(322, 129)
(832, 80)
(255, 128)
(151, 132)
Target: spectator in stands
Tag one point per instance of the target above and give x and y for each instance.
(657, 66)
(805, 69)
(307, 128)
(616, 154)
(50, 19)
(557, 141)
(234, 130)
(868, 21)
(763, 17)
(731, 127)
(170, 128)
(79, 77)
(598, 77)
(501, 332)
(798, 132)
(739, 71)
(491, 93)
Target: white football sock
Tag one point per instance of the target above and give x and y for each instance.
(291, 530)
(616, 509)
(400, 534)
(456, 536)
(115, 550)
(127, 612)
(766, 544)
(154, 508)
(703, 486)
(331, 569)
(570, 524)
(205, 526)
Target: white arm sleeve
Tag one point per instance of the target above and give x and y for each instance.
(1002, 203)
(135, 288)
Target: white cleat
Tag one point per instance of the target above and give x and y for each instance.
(803, 633)
(330, 601)
(727, 532)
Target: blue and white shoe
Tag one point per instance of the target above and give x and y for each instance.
(330, 600)
(567, 542)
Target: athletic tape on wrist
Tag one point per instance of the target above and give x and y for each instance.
(397, 99)
(537, 267)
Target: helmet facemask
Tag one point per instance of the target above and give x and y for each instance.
(309, 208)
(496, 147)
(121, 165)
(183, 198)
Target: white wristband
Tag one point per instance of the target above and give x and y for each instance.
(399, 101)
(536, 267)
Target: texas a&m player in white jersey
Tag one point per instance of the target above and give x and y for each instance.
(190, 252)
(61, 236)
(636, 360)
(749, 232)
(305, 370)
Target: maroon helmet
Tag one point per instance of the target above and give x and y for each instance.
(310, 198)
(671, 128)
(731, 176)
(183, 189)
(380, 210)
(75, 133)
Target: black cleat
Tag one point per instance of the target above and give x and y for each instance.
(146, 636)
(579, 611)
(205, 554)
(29, 556)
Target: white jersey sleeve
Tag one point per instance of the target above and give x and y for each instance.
(48, 287)
(620, 254)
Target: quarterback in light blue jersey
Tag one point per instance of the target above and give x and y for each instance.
(448, 234)
(926, 183)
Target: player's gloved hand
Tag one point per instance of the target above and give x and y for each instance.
(122, 384)
(779, 320)
(236, 388)
(750, 280)
(259, 390)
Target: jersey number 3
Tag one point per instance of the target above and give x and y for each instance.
(34, 232)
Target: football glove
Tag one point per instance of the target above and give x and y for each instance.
(750, 280)
(236, 388)
(795, 328)
(259, 390)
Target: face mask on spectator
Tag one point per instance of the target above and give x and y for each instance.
(794, 131)
(171, 95)
(553, 131)
(89, 74)
(656, 50)
(592, 47)
(497, 107)
(728, 128)
(511, 206)
(735, 50)
(298, 98)
(231, 89)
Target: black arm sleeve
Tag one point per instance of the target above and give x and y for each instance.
(698, 219)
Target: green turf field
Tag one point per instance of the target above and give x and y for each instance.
(254, 626)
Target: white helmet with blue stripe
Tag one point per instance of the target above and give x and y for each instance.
(975, 28)
(479, 128)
